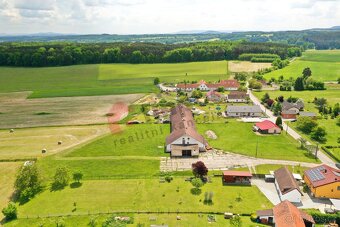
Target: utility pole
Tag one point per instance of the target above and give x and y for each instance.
(287, 128)
(257, 145)
(316, 151)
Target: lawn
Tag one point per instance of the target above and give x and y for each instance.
(176, 72)
(246, 66)
(238, 137)
(104, 79)
(146, 219)
(325, 66)
(29, 142)
(133, 140)
(8, 172)
(145, 195)
(103, 167)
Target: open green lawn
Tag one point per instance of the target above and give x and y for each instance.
(102, 167)
(156, 219)
(239, 137)
(104, 79)
(144, 195)
(325, 66)
(134, 140)
(176, 72)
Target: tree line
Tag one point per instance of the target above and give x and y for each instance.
(62, 53)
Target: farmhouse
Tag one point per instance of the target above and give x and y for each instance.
(184, 140)
(244, 111)
(237, 177)
(285, 214)
(323, 181)
(267, 127)
(287, 186)
(229, 85)
(291, 110)
(214, 96)
(237, 96)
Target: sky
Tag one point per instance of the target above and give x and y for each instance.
(164, 16)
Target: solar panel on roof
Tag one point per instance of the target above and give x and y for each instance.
(315, 174)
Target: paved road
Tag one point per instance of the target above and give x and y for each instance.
(323, 158)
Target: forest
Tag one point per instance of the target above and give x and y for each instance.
(40, 54)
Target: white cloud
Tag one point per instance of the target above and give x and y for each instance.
(160, 16)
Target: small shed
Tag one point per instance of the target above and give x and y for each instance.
(267, 127)
(237, 177)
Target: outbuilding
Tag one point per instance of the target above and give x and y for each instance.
(237, 177)
(267, 127)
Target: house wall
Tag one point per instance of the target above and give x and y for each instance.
(288, 116)
(293, 196)
(327, 191)
(236, 100)
(188, 140)
(233, 114)
(274, 130)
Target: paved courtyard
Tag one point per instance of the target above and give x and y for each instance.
(219, 160)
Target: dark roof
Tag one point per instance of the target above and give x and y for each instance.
(307, 114)
(244, 109)
(268, 212)
(286, 180)
(265, 125)
(288, 112)
(237, 95)
(286, 214)
(288, 105)
(322, 175)
(182, 123)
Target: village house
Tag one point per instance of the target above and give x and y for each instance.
(184, 140)
(285, 214)
(228, 85)
(237, 177)
(291, 110)
(323, 181)
(287, 186)
(237, 96)
(266, 127)
(244, 111)
(214, 96)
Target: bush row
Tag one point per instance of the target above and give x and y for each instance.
(249, 56)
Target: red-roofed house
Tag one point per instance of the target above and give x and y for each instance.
(237, 177)
(229, 85)
(323, 181)
(214, 96)
(267, 127)
(285, 214)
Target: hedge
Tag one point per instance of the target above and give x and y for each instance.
(249, 56)
(325, 148)
(321, 218)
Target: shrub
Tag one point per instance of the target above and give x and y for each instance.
(306, 124)
(10, 212)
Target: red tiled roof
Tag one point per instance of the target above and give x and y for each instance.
(237, 95)
(229, 83)
(186, 86)
(212, 92)
(286, 214)
(322, 175)
(265, 125)
(237, 173)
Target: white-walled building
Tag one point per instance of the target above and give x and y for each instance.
(287, 186)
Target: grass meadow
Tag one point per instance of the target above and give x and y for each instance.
(325, 66)
(145, 195)
(104, 79)
(139, 219)
(238, 137)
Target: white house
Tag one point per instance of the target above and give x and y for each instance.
(286, 186)
(184, 140)
(244, 111)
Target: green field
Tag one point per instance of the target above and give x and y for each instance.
(325, 66)
(144, 195)
(104, 79)
(146, 219)
(239, 138)
(134, 140)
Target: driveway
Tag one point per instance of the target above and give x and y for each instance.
(307, 201)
